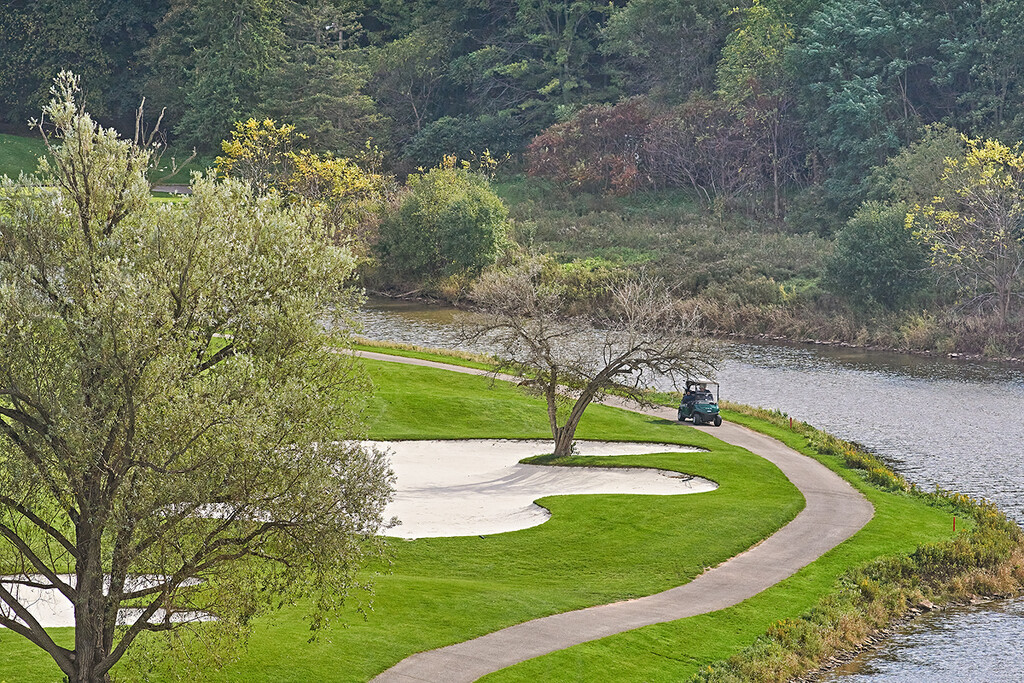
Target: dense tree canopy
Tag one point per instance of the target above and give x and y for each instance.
(858, 76)
(175, 436)
(666, 48)
(101, 40)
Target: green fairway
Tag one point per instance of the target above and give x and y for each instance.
(594, 550)
(19, 154)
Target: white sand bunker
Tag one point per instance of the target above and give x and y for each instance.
(52, 610)
(477, 487)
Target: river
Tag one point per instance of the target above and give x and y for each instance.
(956, 424)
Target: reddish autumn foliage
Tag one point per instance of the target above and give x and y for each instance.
(719, 150)
(599, 149)
(702, 144)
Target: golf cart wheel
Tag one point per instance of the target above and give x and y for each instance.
(681, 417)
(697, 421)
(718, 420)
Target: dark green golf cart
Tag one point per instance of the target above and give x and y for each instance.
(700, 403)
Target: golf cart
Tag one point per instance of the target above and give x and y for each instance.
(699, 403)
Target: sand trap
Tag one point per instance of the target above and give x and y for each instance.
(478, 487)
(52, 610)
(454, 488)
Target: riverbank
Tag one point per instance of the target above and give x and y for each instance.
(880, 637)
(983, 562)
(755, 279)
(750, 277)
(464, 306)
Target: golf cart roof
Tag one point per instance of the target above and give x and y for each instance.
(699, 382)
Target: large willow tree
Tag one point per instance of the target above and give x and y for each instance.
(174, 436)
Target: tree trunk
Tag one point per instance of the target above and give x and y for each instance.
(565, 434)
(776, 133)
(90, 607)
(86, 669)
(1005, 297)
(563, 440)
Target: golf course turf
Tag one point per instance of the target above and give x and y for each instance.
(594, 550)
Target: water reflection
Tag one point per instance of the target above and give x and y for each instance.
(410, 322)
(940, 422)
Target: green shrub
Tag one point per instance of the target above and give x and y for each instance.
(875, 260)
(810, 212)
(589, 281)
(449, 222)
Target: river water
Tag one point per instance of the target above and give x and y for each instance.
(940, 422)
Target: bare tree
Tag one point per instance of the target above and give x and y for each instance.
(575, 359)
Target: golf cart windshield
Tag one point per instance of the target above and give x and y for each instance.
(702, 391)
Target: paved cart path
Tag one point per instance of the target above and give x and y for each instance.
(834, 512)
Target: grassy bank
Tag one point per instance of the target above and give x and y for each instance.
(451, 357)
(19, 154)
(595, 549)
(753, 277)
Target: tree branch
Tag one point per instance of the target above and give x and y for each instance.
(39, 522)
(44, 569)
(35, 633)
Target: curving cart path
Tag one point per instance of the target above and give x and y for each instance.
(834, 512)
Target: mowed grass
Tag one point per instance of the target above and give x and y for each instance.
(594, 550)
(161, 174)
(18, 153)
(464, 359)
(676, 650)
(21, 154)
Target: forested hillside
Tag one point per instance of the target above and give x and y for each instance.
(845, 169)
